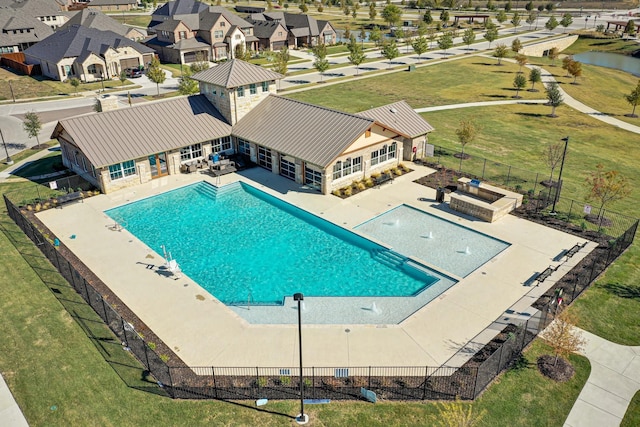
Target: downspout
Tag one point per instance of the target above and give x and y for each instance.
(235, 108)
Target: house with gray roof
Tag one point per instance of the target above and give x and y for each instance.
(92, 18)
(186, 31)
(271, 35)
(19, 32)
(238, 112)
(50, 12)
(304, 30)
(86, 53)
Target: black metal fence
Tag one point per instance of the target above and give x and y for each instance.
(392, 383)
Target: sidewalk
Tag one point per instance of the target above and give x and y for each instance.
(10, 413)
(614, 379)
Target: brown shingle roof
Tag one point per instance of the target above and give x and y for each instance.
(400, 117)
(115, 136)
(309, 132)
(234, 73)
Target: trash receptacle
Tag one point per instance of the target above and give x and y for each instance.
(411, 68)
(440, 195)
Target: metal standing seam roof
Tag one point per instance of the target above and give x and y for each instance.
(234, 73)
(400, 117)
(130, 133)
(314, 134)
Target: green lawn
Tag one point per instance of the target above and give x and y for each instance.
(632, 417)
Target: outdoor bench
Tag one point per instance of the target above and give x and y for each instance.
(574, 250)
(68, 198)
(545, 274)
(378, 181)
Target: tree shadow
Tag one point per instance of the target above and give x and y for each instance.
(532, 115)
(623, 291)
(520, 364)
(483, 63)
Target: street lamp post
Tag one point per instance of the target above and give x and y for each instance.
(302, 418)
(102, 80)
(8, 161)
(564, 154)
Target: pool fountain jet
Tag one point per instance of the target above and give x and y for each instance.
(302, 306)
(467, 251)
(374, 308)
(430, 235)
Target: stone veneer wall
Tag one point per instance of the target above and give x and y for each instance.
(539, 49)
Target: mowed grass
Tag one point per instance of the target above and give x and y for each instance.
(632, 417)
(471, 79)
(52, 337)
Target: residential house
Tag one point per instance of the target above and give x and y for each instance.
(272, 35)
(113, 5)
(98, 20)
(50, 12)
(215, 33)
(304, 30)
(20, 31)
(86, 53)
(237, 111)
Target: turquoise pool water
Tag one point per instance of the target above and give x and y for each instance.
(242, 244)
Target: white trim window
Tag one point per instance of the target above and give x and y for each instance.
(122, 170)
(240, 91)
(265, 86)
(253, 89)
(221, 144)
(191, 152)
(383, 154)
(347, 167)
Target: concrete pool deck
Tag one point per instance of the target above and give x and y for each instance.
(204, 332)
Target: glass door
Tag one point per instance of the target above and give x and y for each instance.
(158, 164)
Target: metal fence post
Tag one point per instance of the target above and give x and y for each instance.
(500, 359)
(508, 177)
(369, 379)
(484, 166)
(215, 384)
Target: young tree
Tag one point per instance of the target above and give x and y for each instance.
(562, 336)
(551, 24)
(553, 54)
(566, 61)
(32, 125)
(156, 74)
(501, 16)
(491, 35)
(456, 414)
(362, 36)
(607, 187)
(507, 6)
(529, 6)
(372, 11)
(375, 36)
(519, 82)
(401, 35)
(468, 37)
(444, 17)
(531, 19)
(515, 21)
(500, 52)
(633, 98)
(630, 28)
(356, 54)
(516, 45)
(552, 155)
(566, 20)
(321, 63)
(427, 18)
(282, 61)
(391, 14)
(200, 64)
(420, 46)
(554, 96)
(550, 7)
(186, 85)
(521, 60)
(575, 69)
(535, 76)
(75, 82)
(466, 133)
(390, 51)
(445, 41)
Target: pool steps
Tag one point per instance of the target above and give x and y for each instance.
(402, 263)
(215, 192)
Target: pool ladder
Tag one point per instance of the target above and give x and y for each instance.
(249, 299)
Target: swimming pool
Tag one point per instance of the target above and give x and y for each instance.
(243, 245)
(446, 245)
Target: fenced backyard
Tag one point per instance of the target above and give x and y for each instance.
(388, 382)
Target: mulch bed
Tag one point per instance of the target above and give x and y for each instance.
(560, 371)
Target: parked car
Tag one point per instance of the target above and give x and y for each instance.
(133, 72)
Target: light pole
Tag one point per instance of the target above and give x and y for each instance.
(564, 154)
(302, 418)
(8, 161)
(102, 80)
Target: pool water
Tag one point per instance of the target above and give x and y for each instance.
(242, 244)
(450, 247)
